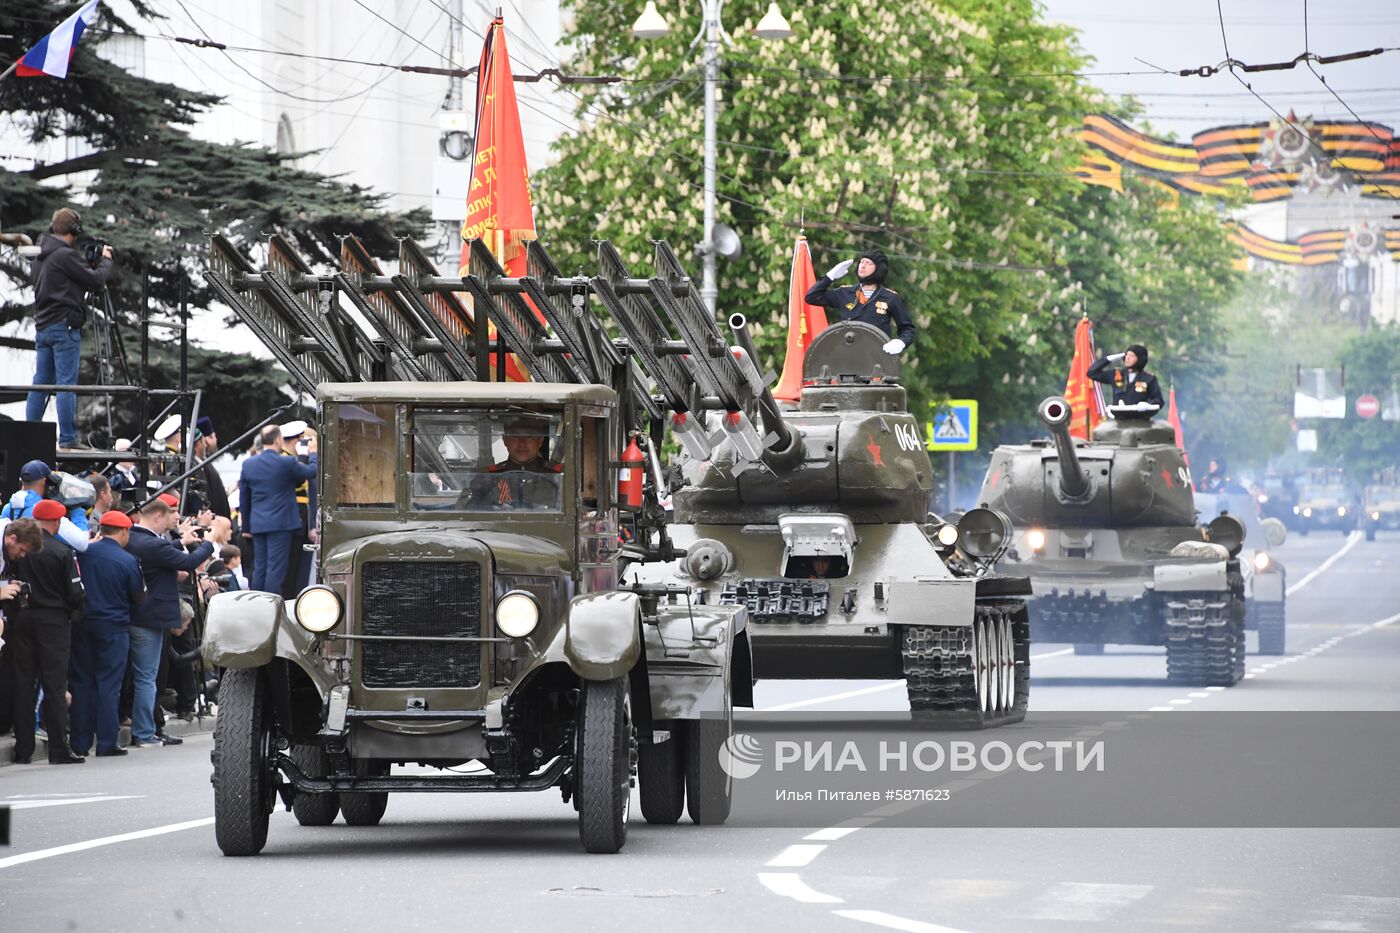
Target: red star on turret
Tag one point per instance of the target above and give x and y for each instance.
(874, 448)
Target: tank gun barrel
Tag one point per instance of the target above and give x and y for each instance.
(1056, 413)
(788, 445)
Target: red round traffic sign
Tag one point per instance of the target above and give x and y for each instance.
(1368, 406)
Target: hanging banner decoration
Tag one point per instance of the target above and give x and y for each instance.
(804, 322)
(1320, 394)
(1081, 392)
(1270, 160)
(1319, 247)
(1174, 419)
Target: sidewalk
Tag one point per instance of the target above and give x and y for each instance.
(173, 726)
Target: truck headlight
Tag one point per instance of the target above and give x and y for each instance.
(1261, 561)
(1307, 512)
(517, 614)
(1375, 516)
(318, 609)
(1341, 511)
(1035, 539)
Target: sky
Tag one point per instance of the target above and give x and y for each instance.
(1187, 34)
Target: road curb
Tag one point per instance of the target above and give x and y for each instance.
(173, 726)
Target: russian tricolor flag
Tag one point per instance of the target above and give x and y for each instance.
(51, 55)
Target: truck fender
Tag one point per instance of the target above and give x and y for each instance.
(241, 629)
(691, 660)
(602, 639)
(249, 629)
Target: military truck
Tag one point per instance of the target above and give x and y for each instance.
(1328, 504)
(825, 537)
(469, 617)
(1107, 532)
(1265, 577)
(1381, 508)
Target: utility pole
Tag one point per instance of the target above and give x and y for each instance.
(709, 287)
(452, 171)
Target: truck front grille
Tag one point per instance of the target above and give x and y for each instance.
(433, 598)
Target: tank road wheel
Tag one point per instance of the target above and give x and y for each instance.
(661, 773)
(602, 765)
(365, 808)
(1272, 637)
(313, 809)
(1205, 642)
(708, 787)
(243, 781)
(1086, 650)
(977, 674)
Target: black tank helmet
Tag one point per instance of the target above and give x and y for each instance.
(882, 267)
(1140, 352)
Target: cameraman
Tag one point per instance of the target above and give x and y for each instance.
(62, 277)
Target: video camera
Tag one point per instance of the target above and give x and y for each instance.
(91, 247)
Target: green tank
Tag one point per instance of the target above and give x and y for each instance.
(1107, 532)
(826, 538)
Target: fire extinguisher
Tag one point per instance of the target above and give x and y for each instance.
(629, 477)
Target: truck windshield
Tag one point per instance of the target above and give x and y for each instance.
(486, 460)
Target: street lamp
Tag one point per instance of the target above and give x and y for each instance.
(652, 25)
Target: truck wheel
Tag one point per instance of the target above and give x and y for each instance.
(708, 787)
(1088, 649)
(661, 772)
(1272, 635)
(365, 808)
(243, 788)
(602, 766)
(313, 809)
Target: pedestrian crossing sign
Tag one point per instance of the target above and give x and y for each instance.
(954, 425)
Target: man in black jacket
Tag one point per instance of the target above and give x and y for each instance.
(869, 302)
(1131, 381)
(43, 636)
(62, 278)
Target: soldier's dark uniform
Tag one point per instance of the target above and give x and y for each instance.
(878, 309)
(511, 485)
(1129, 386)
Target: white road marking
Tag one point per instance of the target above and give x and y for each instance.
(796, 856)
(1352, 540)
(23, 858)
(65, 801)
(1198, 695)
(1179, 701)
(891, 922)
(1069, 900)
(788, 884)
(841, 830)
(1160, 709)
(1214, 689)
(878, 688)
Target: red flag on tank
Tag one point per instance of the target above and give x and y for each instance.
(804, 322)
(1174, 419)
(500, 211)
(1081, 392)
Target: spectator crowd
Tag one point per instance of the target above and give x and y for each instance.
(104, 587)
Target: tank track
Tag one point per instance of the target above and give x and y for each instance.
(1270, 623)
(1205, 642)
(941, 667)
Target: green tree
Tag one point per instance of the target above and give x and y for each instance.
(1365, 445)
(951, 145)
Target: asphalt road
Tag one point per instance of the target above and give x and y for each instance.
(126, 844)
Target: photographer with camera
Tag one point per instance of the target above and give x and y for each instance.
(18, 539)
(37, 483)
(62, 277)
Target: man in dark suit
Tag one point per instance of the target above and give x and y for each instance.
(162, 560)
(268, 505)
(43, 635)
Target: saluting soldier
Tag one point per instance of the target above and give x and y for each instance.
(511, 484)
(869, 302)
(1131, 381)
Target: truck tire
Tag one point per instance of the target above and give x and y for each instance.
(602, 766)
(367, 807)
(1272, 635)
(313, 809)
(243, 792)
(661, 774)
(708, 787)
